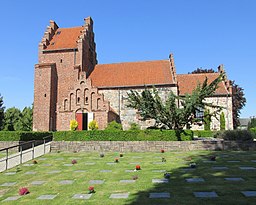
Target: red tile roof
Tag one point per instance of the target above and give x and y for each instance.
(132, 74)
(188, 82)
(65, 38)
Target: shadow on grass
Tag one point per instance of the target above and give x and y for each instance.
(181, 191)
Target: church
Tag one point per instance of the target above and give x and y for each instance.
(70, 84)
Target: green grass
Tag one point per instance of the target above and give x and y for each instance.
(181, 191)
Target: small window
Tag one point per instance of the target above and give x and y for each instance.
(78, 100)
(60, 60)
(199, 113)
(45, 95)
(86, 100)
(58, 32)
(52, 43)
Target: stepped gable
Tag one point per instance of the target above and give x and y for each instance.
(188, 82)
(65, 38)
(132, 74)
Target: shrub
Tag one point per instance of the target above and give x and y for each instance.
(204, 133)
(222, 121)
(93, 125)
(23, 191)
(134, 126)
(207, 120)
(236, 135)
(113, 126)
(23, 135)
(73, 125)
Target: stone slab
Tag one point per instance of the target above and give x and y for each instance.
(59, 159)
(129, 171)
(159, 171)
(12, 198)
(234, 179)
(82, 196)
(247, 168)
(159, 162)
(105, 171)
(127, 181)
(135, 163)
(219, 168)
(96, 181)
(46, 197)
(42, 159)
(195, 180)
(249, 193)
(54, 172)
(233, 161)
(160, 181)
(80, 171)
(111, 163)
(253, 160)
(9, 173)
(205, 194)
(187, 169)
(68, 165)
(159, 195)
(38, 182)
(89, 163)
(119, 196)
(137, 157)
(209, 161)
(27, 165)
(64, 182)
(30, 173)
(46, 165)
(9, 184)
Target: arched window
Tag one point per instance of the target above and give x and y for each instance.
(66, 104)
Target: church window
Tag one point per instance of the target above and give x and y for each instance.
(86, 99)
(78, 100)
(60, 60)
(45, 95)
(65, 104)
(58, 32)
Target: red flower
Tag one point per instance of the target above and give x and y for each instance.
(23, 191)
(137, 167)
(91, 188)
(162, 150)
(73, 161)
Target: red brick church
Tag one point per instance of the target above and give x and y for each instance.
(70, 84)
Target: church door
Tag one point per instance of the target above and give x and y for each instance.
(82, 119)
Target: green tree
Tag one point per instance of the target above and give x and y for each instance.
(12, 118)
(238, 102)
(114, 126)
(222, 121)
(252, 123)
(1, 112)
(169, 113)
(207, 120)
(26, 120)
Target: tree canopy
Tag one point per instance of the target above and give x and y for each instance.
(177, 111)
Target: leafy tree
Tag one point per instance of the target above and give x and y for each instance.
(238, 102)
(26, 120)
(12, 118)
(201, 70)
(222, 121)
(207, 120)
(169, 114)
(252, 123)
(114, 126)
(1, 112)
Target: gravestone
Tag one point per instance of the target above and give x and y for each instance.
(159, 171)
(129, 171)
(134, 163)
(206, 194)
(160, 181)
(30, 173)
(12, 198)
(27, 165)
(105, 171)
(9, 173)
(247, 168)
(119, 196)
(46, 197)
(234, 179)
(80, 171)
(89, 163)
(42, 159)
(47, 165)
(127, 181)
(159, 195)
(54, 172)
(233, 161)
(111, 163)
(219, 168)
(96, 181)
(195, 180)
(253, 160)
(9, 184)
(209, 161)
(38, 182)
(60, 159)
(158, 162)
(64, 182)
(249, 193)
(82, 196)
(68, 165)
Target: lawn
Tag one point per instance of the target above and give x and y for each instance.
(90, 166)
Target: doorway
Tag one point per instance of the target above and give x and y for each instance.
(82, 119)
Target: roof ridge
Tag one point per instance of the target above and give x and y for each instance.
(134, 62)
(70, 27)
(199, 74)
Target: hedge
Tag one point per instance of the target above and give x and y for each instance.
(22, 135)
(134, 135)
(204, 133)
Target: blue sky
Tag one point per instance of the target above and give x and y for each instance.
(200, 33)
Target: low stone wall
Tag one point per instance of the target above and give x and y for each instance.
(148, 146)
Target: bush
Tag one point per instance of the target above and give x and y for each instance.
(134, 126)
(73, 125)
(23, 135)
(253, 131)
(93, 125)
(236, 135)
(113, 126)
(107, 135)
(204, 133)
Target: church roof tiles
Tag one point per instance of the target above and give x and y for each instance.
(132, 74)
